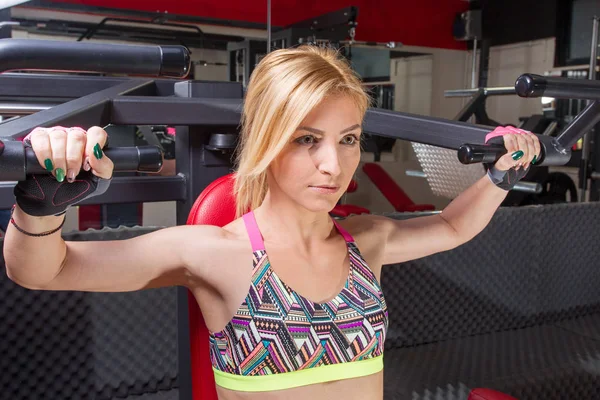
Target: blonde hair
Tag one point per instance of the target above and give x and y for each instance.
(283, 89)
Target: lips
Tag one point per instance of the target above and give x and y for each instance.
(325, 189)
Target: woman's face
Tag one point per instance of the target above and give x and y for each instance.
(316, 166)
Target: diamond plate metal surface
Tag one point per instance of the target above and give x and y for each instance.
(446, 176)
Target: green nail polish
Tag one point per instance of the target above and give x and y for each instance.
(534, 159)
(517, 155)
(97, 151)
(48, 165)
(60, 174)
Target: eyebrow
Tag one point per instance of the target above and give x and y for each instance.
(320, 132)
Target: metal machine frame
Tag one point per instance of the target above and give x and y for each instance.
(203, 110)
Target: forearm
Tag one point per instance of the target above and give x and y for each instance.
(472, 210)
(33, 261)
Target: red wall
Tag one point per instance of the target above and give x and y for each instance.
(417, 23)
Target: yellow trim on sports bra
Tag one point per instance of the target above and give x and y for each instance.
(309, 376)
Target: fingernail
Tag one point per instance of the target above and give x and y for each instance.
(48, 165)
(71, 175)
(517, 155)
(534, 159)
(60, 174)
(86, 164)
(97, 151)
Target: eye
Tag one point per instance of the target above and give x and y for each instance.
(308, 139)
(350, 140)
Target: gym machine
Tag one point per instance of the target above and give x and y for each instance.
(206, 116)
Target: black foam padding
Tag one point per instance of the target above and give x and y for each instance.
(540, 362)
(170, 395)
(75, 345)
(44, 344)
(531, 265)
(137, 332)
(588, 326)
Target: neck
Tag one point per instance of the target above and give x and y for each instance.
(282, 222)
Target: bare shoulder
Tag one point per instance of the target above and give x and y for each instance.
(370, 233)
(215, 253)
(367, 227)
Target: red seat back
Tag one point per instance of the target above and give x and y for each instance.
(391, 190)
(214, 206)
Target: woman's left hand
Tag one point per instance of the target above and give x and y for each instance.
(523, 148)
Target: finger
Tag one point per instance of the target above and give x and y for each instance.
(530, 139)
(58, 142)
(524, 148)
(506, 161)
(537, 149)
(101, 165)
(104, 169)
(517, 130)
(40, 143)
(510, 143)
(76, 140)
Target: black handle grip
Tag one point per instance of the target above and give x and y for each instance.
(551, 152)
(531, 85)
(480, 153)
(18, 161)
(141, 158)
(49, 55)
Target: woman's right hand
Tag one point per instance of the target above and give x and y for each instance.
(77, 169)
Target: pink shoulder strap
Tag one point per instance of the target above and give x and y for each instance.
(252, 227)
(348, 237)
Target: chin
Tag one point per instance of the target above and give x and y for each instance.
(319, 205)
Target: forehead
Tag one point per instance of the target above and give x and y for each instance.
(334, 112)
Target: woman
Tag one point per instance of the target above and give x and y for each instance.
(308, 320)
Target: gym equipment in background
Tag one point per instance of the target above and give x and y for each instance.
(205, 115)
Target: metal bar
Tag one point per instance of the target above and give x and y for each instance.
(531, 85)
(55, 55)
(484, 62)
(89, 110)
(469, 109)
(23, 108)
(586, 148)
(528, 187)
(582, 123)
(474, 65)
(415, 173)
(594, 49)
(201, 167)
(126, 189)
(550, 129)
(53, 86)
(134, 110)
(488, 91)
(423, 129)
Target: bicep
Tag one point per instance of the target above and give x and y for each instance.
(148, 261)
(417, 237)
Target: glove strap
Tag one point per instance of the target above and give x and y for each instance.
(505, 180)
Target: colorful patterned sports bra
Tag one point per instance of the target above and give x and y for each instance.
(278, 339)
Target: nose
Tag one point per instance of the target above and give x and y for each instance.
(328, 160)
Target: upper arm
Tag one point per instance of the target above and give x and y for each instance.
(155, 259)
(413, 238)
(400, 240)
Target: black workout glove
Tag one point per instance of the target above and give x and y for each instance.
(42, 195)
(505, 180)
